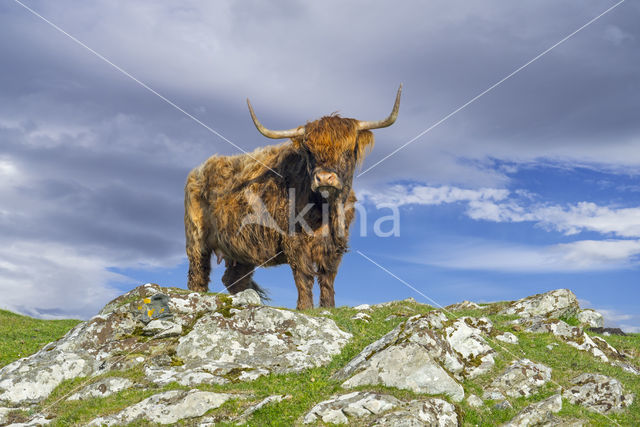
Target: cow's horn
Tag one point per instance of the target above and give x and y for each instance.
(275, 134)
(386, 122)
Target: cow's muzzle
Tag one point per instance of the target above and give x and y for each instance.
(322, 180)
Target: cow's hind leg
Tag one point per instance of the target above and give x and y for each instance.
(239, 277)
(199, 255)
(198, 251)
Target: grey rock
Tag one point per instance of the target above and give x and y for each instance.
(507, 337)
(628, 367)
(474, 401)
(361, 316)
(521, 379)
(409, 300)
(338, 409)
(493, 394)
(202, 372)
(575, 337)
(553, 304)
(4, 413)
(430, 412)
(254, 341)
(537, 413)
(32, 379)
(362, 307)
(465, 337)
(434, 319)
(464, 305)
(334, 416)
(166, 408)
(160, 328)
(154, 308)
(482, 323)
(591, 318)
(426, 354)
(598, 393)
(407, 366)
(102, 388)
(35, 421)
(502, 405)
(246, 298)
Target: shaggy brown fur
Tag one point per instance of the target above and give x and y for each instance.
(225, 191)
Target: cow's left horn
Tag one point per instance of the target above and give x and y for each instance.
(275, 134)
(386, 122)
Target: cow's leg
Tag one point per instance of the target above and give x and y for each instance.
(198, 251)
(238, 277)
(199, 269)
(196, 231)
(304, 283)
(325, 281)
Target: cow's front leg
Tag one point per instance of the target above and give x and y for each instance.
(304, 283)
(325, 280)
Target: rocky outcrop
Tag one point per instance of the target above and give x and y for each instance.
(340, 409)
(166, 408)
(102, 388)
(254, 341)
(521, 379)
(429, 412)
(539, 413)
(173, 348)
(554, 304)
(464, 305)
(578, 338)
(376, 409)
(507, 337)
(598, 393)
(425, 354)
(180, 336)
(590, 318)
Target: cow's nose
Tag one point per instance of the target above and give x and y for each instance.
(326, 179)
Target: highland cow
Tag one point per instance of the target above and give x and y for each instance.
(290, 203)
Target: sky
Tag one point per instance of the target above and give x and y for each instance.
(512, 169)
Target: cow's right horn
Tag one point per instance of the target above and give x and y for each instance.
(275, 134)
(362, 125)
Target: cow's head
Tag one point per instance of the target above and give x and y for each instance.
(332, 146)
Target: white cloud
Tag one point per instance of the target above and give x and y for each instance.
(54, 281)
(399, 195)
(572, 219)
(617, 319)
(584, 255)
(500, 205)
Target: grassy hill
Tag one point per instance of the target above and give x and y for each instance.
(21, 336)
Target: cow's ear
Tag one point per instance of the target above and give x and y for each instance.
(364, 144)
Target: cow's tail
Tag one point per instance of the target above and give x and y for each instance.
(264, 296)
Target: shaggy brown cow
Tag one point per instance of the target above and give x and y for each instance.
(282, 204)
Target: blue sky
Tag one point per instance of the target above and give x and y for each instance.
(533, 186)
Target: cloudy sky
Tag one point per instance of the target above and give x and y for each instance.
(533, 185)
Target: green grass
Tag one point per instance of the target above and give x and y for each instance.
(21, 336)
(314, 385)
